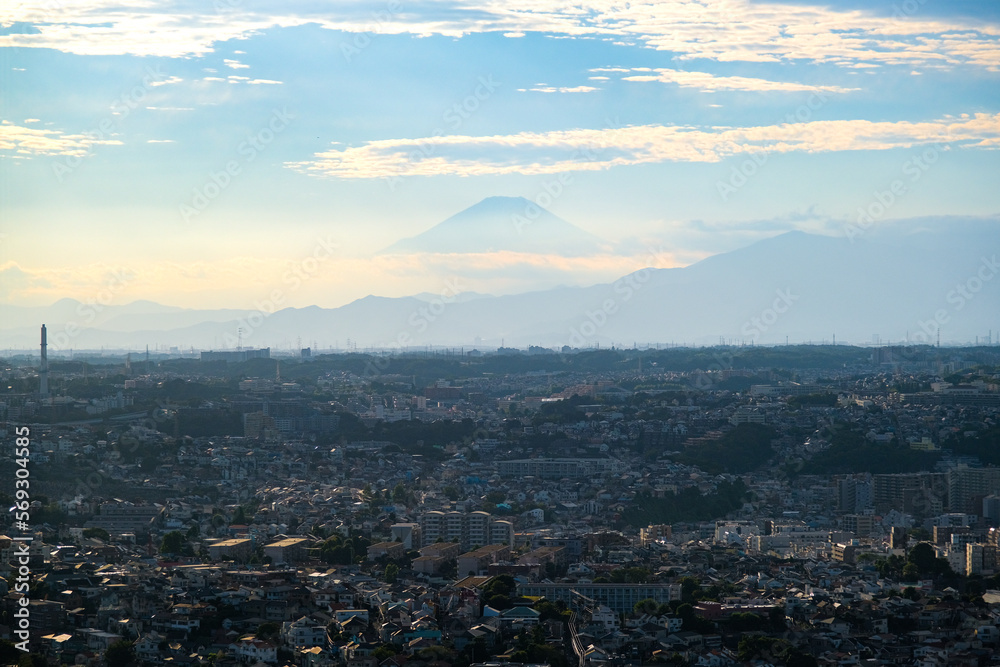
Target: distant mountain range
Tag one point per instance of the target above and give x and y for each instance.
(895, 280)
(498, 224)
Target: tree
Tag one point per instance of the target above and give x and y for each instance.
(503, 584)
(120, 654)
(8, 652)
(399, 493)
(173, 542)
(646, 606)
(98, 533)
(923, 557)
(384, 651)
(777, 618)
(688, 587)
(890, 567)
(391, 573)
(479, 650)
(268, 630)
(798, 658)
(548, 611)
(630, 575)
(449, 569)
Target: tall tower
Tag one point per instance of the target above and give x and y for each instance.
(43, 370)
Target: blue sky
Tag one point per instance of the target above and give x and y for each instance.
(209, 148)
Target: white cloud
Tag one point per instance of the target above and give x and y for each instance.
(160, 141)
(711, 82)
(597, 149)
(169, 80)
(724, 31)
(235, 64)
(558, 89)
(28, 141)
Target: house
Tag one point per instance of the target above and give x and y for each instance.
(251, 650)
(303, 633)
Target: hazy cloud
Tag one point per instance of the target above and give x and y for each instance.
(15, 282)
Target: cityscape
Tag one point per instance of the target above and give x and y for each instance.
(722, 505)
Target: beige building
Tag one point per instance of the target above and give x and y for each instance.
(238, 549)
(288, 550)
(477, 562)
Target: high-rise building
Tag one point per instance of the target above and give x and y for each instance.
(921, 493)
(854, 495)
(966, 485)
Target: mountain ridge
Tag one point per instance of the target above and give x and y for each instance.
(894, 282)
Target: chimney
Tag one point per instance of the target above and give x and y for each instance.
(43, 371)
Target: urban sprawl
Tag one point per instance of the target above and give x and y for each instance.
(797, 505)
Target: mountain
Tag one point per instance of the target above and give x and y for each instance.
(899, 280)
(497, 224)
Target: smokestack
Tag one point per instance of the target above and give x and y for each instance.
(43, 371)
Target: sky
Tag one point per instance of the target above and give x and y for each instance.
(212, 154)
